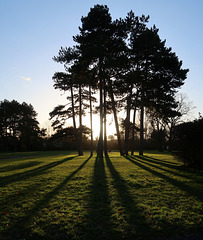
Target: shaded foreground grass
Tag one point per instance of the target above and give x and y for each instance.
(60, 195)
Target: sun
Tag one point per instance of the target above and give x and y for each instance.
(111, 130)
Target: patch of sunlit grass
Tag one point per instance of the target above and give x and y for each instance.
(59, 195)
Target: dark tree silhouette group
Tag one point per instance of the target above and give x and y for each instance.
(130, 68)
(19, 128)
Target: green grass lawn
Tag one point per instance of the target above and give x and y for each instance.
(59, 195)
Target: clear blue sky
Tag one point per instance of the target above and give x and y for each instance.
(32, 32)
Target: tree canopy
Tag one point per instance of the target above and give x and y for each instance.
(129, 66)
(19, 128)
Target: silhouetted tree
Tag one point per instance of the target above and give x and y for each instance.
(63, 82)
(65, 138)
(169, 118)
(160, 73)
(19, 128)
(93, 43)
(102, 42)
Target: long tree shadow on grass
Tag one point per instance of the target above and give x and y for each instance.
(135, 225)
(180, 168)
(19, 166)
(20, 228)
(31, 173)
(139, 161)
(27, 156)
(99, 223)
(167, 168)
(170, 163)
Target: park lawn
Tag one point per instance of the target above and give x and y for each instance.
(59, 195)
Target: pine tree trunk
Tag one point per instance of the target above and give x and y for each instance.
(74, 122)
(6, 141)
(105, 133)
(141, 123)
(133, 131)
(159, 137)
(127, 122)
(170, 139)
(100, 143)
(90, 95)
(80, 121)
(115, 117)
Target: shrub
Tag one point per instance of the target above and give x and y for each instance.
(189, 139)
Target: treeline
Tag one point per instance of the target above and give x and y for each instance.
(130, 69)
(20, 131)
(19, 128)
